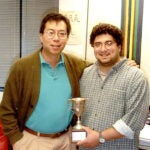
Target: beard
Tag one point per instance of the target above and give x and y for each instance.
(108, 61)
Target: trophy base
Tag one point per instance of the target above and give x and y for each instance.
(78, 135)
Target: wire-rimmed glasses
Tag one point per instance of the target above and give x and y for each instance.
(51, 34)
(107, 44)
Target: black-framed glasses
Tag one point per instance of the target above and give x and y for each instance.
(107, 44)
(51, 33)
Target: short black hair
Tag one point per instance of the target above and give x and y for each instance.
(55, 17)
(104, 28)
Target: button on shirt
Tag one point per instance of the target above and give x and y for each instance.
(52, 113)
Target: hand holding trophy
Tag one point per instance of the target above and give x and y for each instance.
(77, 107)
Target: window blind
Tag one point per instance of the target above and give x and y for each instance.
(32, 14)
(19, 28)
(9, 36)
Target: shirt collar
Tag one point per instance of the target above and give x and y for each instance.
(42, 60)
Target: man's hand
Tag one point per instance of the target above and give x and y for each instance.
(92, 139)
(132, 63)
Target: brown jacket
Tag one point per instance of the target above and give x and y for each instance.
(22, 91)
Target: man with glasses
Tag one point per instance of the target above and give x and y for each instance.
(34, 109)
(117, 95)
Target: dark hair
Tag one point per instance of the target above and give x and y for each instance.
(104, 28)
(55, 17)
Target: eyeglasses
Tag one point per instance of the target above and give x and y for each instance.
(51, 33)
(108, 44)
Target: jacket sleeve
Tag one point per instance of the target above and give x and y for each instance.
(9, 108)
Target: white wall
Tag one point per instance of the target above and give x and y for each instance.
(108, 11)
(145, 49)
(76, 44)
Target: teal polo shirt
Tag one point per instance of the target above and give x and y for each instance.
(52, 112)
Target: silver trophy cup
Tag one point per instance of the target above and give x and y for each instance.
(78, 107)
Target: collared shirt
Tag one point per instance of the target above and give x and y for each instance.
(120, 100)
(52, 113)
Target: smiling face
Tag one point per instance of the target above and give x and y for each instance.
(54, 45)
(106, 50)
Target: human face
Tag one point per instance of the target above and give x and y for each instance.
(106, 50)
(55, 44)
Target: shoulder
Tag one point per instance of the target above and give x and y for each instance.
(27, 62)
(127, 70)
(133, 75)
(29, 58)
(72, 57)
(90, 69)
(134, 71)
(89, 73)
